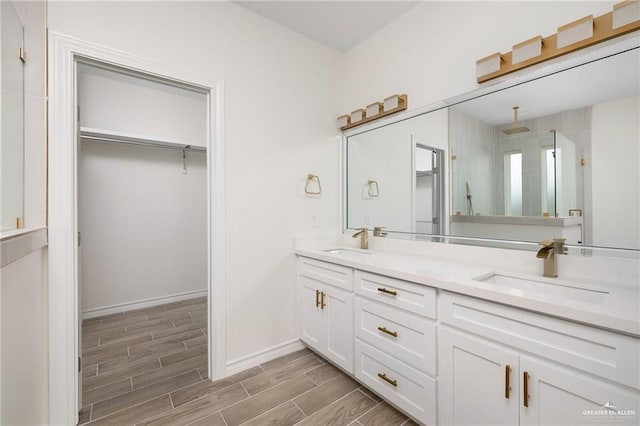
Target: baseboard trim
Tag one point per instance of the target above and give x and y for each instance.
(257, 358)
(146, 303)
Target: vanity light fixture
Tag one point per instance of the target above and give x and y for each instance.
(374, 111)
(357, 115)
(575, 32)
(344, 120)
(392, 102)
(625, 13)
(488, 65)
(584, 32)
(526, 50)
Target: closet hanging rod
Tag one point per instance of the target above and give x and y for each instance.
(149, 144)
(136, 140)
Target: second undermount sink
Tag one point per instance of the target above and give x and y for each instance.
(549, 287)
(346, 251)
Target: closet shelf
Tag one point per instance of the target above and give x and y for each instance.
(130, 139)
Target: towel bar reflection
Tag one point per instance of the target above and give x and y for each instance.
(307, 185)
(374, 189)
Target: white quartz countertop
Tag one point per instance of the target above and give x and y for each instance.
(610, 306)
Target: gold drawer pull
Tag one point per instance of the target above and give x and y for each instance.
(384, 377)
(384, 290)
(390, 333)
(507, 377)
(322, 304)
(525, 378)
(317, 298)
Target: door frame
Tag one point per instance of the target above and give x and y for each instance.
(64, 54)
(438, 209)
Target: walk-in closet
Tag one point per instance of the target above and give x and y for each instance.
(143, 235)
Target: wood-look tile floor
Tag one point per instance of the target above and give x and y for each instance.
(150, 367)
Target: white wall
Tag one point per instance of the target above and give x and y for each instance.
(616, 155)
(282, 96)
(430, 52)
(127, 104)
(143, 224)
(23, 313)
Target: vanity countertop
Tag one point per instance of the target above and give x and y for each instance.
(610, 306)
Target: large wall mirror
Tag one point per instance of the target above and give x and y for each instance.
(555, 156)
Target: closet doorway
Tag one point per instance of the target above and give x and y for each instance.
(142, 220)
(136, 226)
(428, 189)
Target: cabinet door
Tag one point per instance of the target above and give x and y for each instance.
(337, 314)
(474, 374)
(561, 396)
(311, 329)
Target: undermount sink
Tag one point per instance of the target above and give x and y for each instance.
(551, 287)
(345, 251)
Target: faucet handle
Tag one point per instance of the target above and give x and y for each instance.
(546, 243)
(558, 243)
(378, 231)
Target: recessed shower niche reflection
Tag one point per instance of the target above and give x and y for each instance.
(532, 177)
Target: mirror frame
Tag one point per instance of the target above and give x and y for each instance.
(582, 57)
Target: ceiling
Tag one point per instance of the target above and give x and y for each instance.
(339, 25)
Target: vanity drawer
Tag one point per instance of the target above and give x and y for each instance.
(599, 352)
(407, 337)
(411, 297)
(407, 388)
(328, 273)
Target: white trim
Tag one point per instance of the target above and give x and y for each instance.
(64, 53)
(145, 303)
(20, 245)
(257, 358)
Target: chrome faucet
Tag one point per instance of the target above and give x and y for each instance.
(378, 231)
(363, 233)
(548, 252)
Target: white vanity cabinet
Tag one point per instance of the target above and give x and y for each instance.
(478, 381)
(449, 359)
(395, 347)
(500, 376)
(325, 302)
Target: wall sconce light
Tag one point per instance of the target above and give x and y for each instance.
(575, 32)
(526, 50)
(488, 65)
(374, 111)
(392, 102)
(625, 13)
(585, 32)
(344, 120)
(357, 115)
